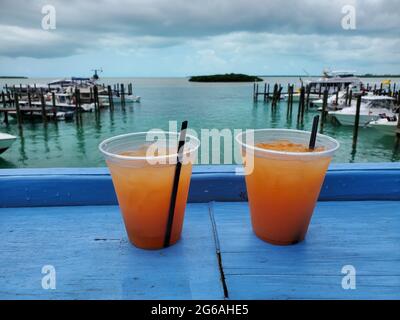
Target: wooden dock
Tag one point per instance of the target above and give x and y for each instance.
(34, 97)
(276, 95)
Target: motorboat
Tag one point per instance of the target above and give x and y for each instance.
(337, 100)
(296, 96)
(132, 98)
(332, 100)
(372, 108)
(117, 98)
(386, 125)
(65, 102)
(6, 140)
(334, 81)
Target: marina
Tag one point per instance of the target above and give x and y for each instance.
(206, 105)
(57, 100)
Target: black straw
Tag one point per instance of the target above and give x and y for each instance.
(314, 130)
(170, 221)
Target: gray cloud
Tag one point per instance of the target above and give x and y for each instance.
(86, 25)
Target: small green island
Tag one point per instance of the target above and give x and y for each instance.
(228, 77)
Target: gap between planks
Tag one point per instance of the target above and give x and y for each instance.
(217, 249)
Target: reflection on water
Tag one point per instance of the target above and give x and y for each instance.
(396, 151)
(75, 143)
(6, 164)
(80, 138)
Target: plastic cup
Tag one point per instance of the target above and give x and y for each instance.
(143, 183)
(283, 187)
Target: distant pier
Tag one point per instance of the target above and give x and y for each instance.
(54, 102)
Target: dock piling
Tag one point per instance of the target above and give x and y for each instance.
(308, 96)
(110, 98)
(350, 97)
(3, 99)
(122, 95)
(265, 92)
(77, 100)
(96, 98)
(347, 96)
(43, 106)
(19, 116)
(323, 112)
(300, 110)
(356, 122)
(53, 99)
(91, 95)
(9, 98)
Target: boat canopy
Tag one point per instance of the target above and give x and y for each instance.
(69, 82)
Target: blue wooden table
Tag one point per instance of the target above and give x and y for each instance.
(69, 219)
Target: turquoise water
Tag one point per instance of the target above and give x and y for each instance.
(206, 106)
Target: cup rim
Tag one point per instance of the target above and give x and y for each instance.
(121, 157)
(288, 153)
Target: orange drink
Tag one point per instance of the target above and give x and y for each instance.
(284, 182)
(143, 181)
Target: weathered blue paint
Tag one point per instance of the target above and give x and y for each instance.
(363, 234)
(63, 217)
(93, 259)
(93, 186)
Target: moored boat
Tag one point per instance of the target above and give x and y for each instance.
(372, 108)
(117, 98)
(296, 97)
(334, 81)
(6, 140)
(386, 126)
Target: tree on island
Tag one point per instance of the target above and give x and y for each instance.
(228, 77)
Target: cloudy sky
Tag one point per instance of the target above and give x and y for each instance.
(187, 37)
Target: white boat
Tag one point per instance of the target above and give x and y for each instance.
(88, 107)
(6, 140)
(372, 108)
(296, 96)
(128, 98)
(386, 125)
(132, 98)
(65, 102)
(71, 83)
(334, 81)
(334, 101)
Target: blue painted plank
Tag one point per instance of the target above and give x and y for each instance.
(289, 287)
(363, 234)
(93, 186)
(93, 259)
(197, 169)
